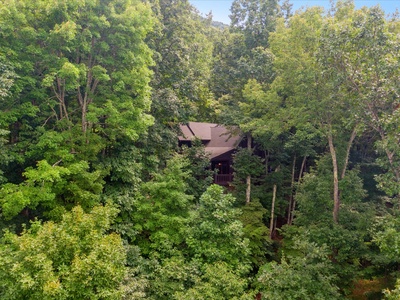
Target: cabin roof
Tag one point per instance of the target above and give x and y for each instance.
(217, 139)
(193, 130)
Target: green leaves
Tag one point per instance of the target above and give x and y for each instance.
(306, 275)
(215, 232)
(218, 281)
(72, 259)
(386, 236)
(161, 210)
(81, 88)
(52, 186)
(255, 18)
(7, 78)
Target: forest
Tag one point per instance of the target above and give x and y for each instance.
(98, 200)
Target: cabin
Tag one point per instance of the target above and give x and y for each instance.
(219, 143)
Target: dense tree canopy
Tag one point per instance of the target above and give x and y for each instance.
(99, 200)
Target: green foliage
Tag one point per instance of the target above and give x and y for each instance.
(182, 46)
(80, 96)
(256, 232)
(255, 18)
(246, 163)
(348, 242)
(85, 72)
(393, 294)
(314, 194)
(386, 236)
(183, 53)
(4, 156)
(73, 259)
(53, 187)
(227, 77)
(199, 167)
(218, 281)
(162, 210)
(75, 129)
(305, 275)
(389, 180)
(6, 78)
(215, 233)
(212, 239)
(170, 276)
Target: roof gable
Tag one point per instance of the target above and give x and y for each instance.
(217, 139)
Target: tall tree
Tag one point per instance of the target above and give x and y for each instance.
(73, 259)
(182, 46)
(256, 19)
(84, 77)
(366, 48)
(183, 53)
(312, 91)
(7, 78)
(161, 211)
(215, 232)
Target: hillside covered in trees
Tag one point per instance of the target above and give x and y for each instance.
(99, 201)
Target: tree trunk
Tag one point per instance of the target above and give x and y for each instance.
(336, 199)
(85, 98)
(60, 94)
(271, 223)
(84, 120)
(248, 188)
(248, 179)
(349, 144)
(291, 199)
(303, 164)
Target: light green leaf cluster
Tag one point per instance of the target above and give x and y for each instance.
(218, 281)
(52, 186)
(386, 236)
(393, 294)
(7, 77)
(73, 259)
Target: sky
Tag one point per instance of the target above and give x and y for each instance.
(221, 8)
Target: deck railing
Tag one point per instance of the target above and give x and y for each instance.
(223, 179)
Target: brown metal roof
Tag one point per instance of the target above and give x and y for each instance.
(218, 139)
(198, 130)
(222, 137)
(201, 130)
(187, 134)
(218, 151)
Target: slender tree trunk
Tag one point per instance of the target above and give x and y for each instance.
(291, 191)
(60, 97)
(271, 223)
(336, 199)
(84, 121)
(60, 94)
(336, 191)
(248, 189)
(303, 164)
(86, 99)
(349, 144)
(248, 179)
